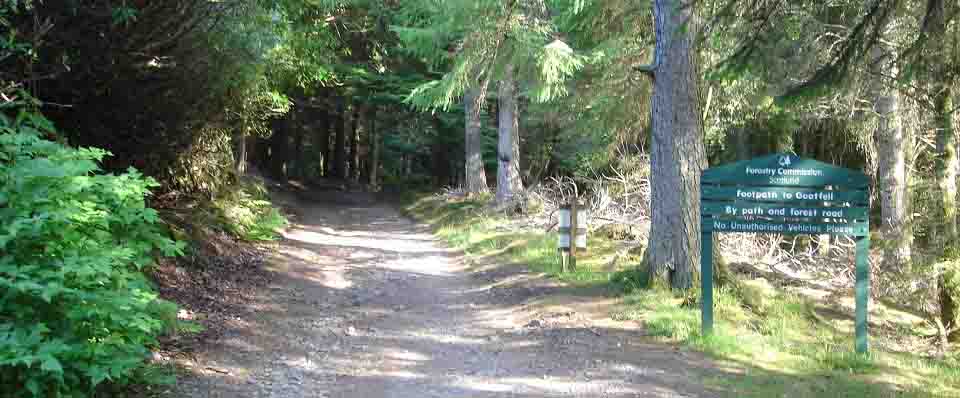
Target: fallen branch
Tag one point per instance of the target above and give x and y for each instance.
(552, 226)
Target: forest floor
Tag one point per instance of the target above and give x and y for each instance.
(363, 302)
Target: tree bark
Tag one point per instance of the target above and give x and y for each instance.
(937, 20)
(252, 145)
(677, 151)
(340, 145)
(892, 143)
(947, 164)
(947, 167)
(509, 183)
(296, 127)
(280, 148)
(260, 150)
(744, 146)
(374, 158)
(474, 174)
(240, 159)
(357, 129)
(323, 141)
(440, 154)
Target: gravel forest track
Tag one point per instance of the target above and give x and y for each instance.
(368, 304)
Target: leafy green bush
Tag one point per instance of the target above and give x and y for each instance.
(246, 212)
(75, 308)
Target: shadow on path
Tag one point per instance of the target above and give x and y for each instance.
(367, 304)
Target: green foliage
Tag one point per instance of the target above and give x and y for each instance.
(163, 86)
(489, 36)
(245, 211)
(204, 165)
(75, 308)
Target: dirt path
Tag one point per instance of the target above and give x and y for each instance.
(367, 304)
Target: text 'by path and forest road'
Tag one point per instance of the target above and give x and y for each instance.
(366, 303)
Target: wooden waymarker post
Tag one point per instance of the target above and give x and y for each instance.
(785, 194)
(573, 234)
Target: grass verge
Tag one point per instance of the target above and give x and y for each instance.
(469, 226)
(767, 342)
(777, 344)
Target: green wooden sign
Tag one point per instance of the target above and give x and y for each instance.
(786, 227)
(778, 194)
(780, 170)
(741, 209)
(785, 194)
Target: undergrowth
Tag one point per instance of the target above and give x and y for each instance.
(76, 311)
(768, 342)
(245, 211)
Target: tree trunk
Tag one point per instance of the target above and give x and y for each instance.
(437, 161)
(943, 79)
(374, 158)
(892, 143)
(677, 151)
(947, 165)
(240, 160)
(340, 145)
(744, 146)
(474, 173)
(508, 146)
(297, 169)
(440, 154)
(254, 145)
(261, 153)
(280, 148)
(357, 128)
(322, 127)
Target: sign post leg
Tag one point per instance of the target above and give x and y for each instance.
(574, 226)
(706, 282)
(562, 254)
(862, 292)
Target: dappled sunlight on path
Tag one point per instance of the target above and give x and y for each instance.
(367, 304)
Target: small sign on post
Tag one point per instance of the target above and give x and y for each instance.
(572, 234)
(785, 194)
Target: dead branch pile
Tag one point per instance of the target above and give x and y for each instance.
(620, 195)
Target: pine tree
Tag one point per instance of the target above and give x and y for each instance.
(504, 44)
(509, 184)
(677, 151)
(474, 174)
(892, 143)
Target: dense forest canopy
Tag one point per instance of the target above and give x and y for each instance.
(510, 97)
